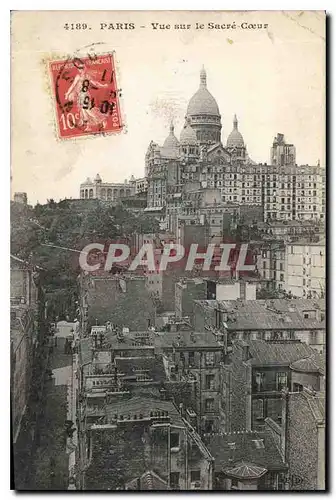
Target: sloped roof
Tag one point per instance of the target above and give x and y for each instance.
(252, 447)
(268, 314)
(312, 364)
(313, 402)
(276, 353)
(212, 147)
(317, 406)
(148, 481)
(145, 406)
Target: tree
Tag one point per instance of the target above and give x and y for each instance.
(52, 235)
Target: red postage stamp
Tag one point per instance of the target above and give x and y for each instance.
(86, 96)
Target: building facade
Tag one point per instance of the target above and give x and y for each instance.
(283, 189)
(269, 320)
(110, 191)
(305, 439)
(254, 379)
(305, 268)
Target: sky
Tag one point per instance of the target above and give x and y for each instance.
(272, 78)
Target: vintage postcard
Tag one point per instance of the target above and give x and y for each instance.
(168, 211)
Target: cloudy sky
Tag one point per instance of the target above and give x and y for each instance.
(272, 78)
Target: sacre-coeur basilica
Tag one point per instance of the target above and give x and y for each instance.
(200, 160)
(199, 167)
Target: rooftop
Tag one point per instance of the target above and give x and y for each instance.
(257, 448)
(149, 368)
(268, 314)
(245, 470)
(161, 340)
(186, 338)
(278, 353)
(312, 402)
(143, 408)
(312, 364)
(148, 481)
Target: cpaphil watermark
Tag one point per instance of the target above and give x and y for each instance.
(215, 256)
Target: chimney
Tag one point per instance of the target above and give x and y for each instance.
(245, 352)
(181, 409)
(163, 393)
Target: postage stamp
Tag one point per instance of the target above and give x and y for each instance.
(86, 96)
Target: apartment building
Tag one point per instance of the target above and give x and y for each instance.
(273, 319)
(305, 268)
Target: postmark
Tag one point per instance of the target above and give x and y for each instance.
(86, 95)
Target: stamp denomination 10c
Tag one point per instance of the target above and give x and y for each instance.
(86, 96)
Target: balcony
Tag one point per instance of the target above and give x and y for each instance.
(268, 387)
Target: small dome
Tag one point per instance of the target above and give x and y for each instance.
(88, 181)
(188, 135)
(98, 178)
(312, 364)
(235, 139)
(171, 142)
(202, 102)
(245, 470)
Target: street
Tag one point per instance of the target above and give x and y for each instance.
(50, 467)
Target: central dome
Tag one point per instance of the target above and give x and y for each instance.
(203, 103)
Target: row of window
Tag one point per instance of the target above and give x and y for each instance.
(303, 215)
(209, 358)
(261, 383)
(281, 277)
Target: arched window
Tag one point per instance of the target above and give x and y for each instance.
(122, 193)
(82, 193)
(115, 193)
(128, 192)
(86, 193)
(91, 193)
(103, 193)
(109, 194)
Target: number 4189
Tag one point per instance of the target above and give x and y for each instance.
(76, 26)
